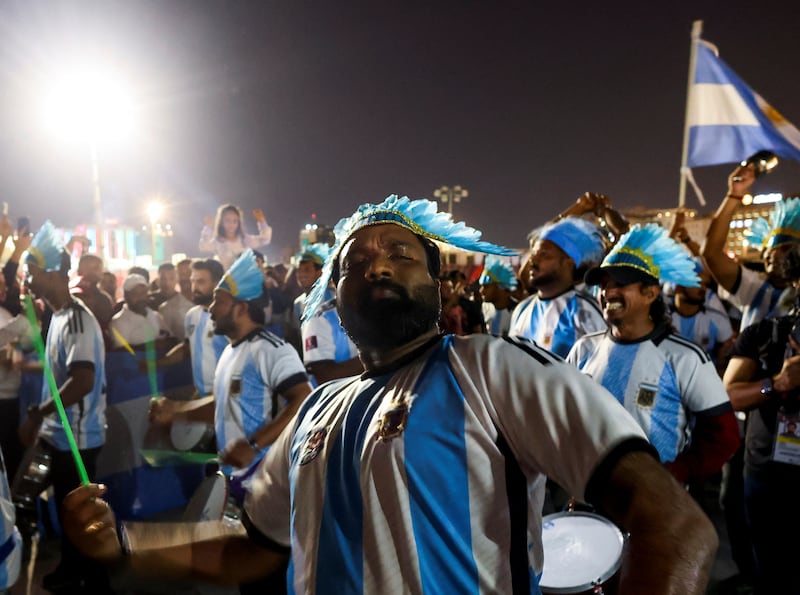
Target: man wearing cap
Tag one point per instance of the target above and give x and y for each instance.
(556, 314)
(666, 382)
(259, 381)
(136, 323)
(426, 473)
(76, 355)
(497, 282)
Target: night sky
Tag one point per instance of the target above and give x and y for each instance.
(315, 107)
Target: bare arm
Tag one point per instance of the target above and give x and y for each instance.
(209, 551)
(672, 542)
(745, 392)
(241, 453)
(722, 267)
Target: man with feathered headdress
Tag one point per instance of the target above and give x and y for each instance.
(426, 473)
(555, 315)
(497, 282)
(259, 381)
(668, 383)
(76, 352)
(756, 295)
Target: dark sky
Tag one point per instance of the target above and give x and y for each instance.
(315, 107)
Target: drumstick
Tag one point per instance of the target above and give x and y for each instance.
(36, 334)
(123, 342)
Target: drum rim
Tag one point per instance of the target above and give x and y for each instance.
(192, 428)
(603, 577)
(218, 477)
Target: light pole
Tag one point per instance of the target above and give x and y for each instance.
(451, 195)
(154, 210)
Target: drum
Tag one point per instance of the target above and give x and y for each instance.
(582, 553)
(32, 478)
(191, 435)
(209, 499)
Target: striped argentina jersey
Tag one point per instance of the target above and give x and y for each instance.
(498, 322)
(250, 375)
(10, 538)
(557, 323)
(661, 379)
(756, 298)
(75, 339)
(324, 339)
(708, 328)
(205, 348)
(430, 478)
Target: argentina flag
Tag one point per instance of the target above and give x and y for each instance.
(728, 121)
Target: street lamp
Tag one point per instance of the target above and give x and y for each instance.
(451, 195)
(94, 106)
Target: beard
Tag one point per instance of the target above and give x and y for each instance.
(202, 299)
(224, 324)
(390, 322)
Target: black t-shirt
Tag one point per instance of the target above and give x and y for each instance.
(766, 343)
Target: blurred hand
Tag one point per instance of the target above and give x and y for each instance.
(23, 242)
(90, 524)
(741, 179)
(208, 221)
(259, 215)
(6, 229)
(238, 453)
(161, 411)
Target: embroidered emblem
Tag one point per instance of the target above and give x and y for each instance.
(393, 422)
(311, 343)
(235, 387)
(646, 396)
(313, 445)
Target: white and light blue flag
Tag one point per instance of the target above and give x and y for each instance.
(728, 121)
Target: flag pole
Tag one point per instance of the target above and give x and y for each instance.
(697, 29)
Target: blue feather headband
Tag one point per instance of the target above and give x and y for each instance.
(244, 279)
(498, 271)
(420, 216)
(649, 250)
(316, 253)
(45, 251)
(783, 226)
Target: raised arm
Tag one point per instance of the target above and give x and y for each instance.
(722, 267)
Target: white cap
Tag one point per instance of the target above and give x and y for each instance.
(133, 280)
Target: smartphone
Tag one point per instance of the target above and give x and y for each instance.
(764, 161)
(23, 225)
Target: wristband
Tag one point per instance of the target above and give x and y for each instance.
(253, 443)
(734, 196)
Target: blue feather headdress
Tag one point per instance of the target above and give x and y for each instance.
(581, 240)
(316, 253)
(498, 271)
(45, 251)
(783, 226)
(420, 216)
(244, 279)
(647, 253)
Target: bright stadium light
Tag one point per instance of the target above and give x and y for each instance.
(91, 106)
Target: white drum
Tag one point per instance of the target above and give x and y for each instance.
(190, 435)
(209, 499)
(582, 553)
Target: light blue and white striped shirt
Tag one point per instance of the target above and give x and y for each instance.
(205, 348)
(429, 478)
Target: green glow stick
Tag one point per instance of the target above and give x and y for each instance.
(36, 333)
(150, 352)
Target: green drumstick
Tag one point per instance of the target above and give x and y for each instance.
(51, 381)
